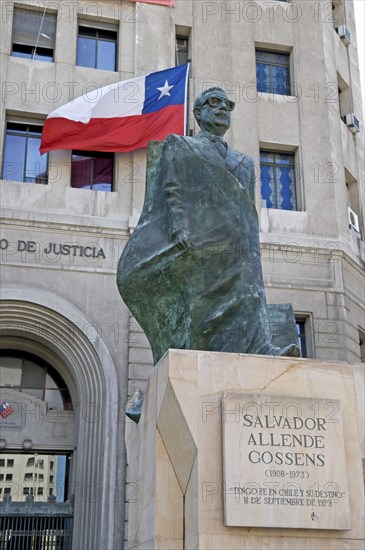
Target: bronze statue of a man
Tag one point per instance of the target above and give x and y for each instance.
(191, 272)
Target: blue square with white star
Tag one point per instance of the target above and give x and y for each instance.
(165, 88)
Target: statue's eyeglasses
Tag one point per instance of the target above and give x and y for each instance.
(216, 101)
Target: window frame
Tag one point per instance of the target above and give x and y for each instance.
(288, 66)
(296, 185)
(94, 154)
(187, 52)
(305, 319)
(49, 370)
(28, 123)
(102, 26)
(33, 47)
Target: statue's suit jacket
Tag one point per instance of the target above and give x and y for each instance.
(211, 296)
(240, 165)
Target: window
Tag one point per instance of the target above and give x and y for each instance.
(51, 479)
(51, 465)
(22, 159)
(40, 477)
(32, 375)
(353, 203)
(28, 477)
(40, 464)
(33, 34)
(40, 491)
(301, 337)
(278, 187)
(8, 477)
(272, 72)
(30, 461)
(10, 463)
(1, 477)
(91, 170)
(305, 334)
(97, 48)
(182, 50)
(7, 491)
(2, 462)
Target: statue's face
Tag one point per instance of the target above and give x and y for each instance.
(215, 115)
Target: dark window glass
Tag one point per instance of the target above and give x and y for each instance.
(8, 477)
(302, 337)
(28, 52)
(22, 159)
(10, 463)
(97, 49)
(30, 461)
(1, 477)
(34, 34)
(2, 462)
(30, 374)
(272, 72)
(86, 52)
(91, 170)
(278, 180)
(7, 491)
(182, 50)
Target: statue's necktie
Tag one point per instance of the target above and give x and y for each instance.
(220, 146)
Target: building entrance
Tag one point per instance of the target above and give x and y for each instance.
(36, 508)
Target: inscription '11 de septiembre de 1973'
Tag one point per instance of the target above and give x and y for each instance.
(284, 462)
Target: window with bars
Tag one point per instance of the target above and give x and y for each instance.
(22, 159)
(278, 185)
(97, 48)
(34, 34)
(272, 72)
(92, 170)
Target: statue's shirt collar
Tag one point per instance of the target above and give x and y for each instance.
(212, 137)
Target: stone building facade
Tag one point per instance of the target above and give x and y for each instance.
(292, 69)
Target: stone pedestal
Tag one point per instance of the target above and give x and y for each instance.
(213, 421)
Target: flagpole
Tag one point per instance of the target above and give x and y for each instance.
(39, 32)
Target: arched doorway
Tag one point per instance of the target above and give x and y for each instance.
(36, 510)
(87, 371)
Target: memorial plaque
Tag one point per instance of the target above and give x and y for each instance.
(284, 462)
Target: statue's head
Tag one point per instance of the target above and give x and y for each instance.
(212, 110)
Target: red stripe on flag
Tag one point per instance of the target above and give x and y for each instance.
(159, 2)
(115, 135)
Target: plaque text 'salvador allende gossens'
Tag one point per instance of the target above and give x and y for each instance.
(313, 440)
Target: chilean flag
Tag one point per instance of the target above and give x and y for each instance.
(5, 410)
(121, 117)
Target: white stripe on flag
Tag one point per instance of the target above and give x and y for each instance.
(121, 99)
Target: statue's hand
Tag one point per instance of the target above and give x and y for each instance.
(182, 239)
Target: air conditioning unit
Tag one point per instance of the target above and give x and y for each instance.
(344, 34)
(352, 122)
(353, 220)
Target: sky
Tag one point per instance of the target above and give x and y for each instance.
(360, 24)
